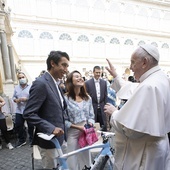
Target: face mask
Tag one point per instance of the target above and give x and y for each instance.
(23, 81)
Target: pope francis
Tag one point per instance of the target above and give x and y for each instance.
(142, 124)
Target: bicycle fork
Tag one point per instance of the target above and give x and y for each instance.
(101, 160)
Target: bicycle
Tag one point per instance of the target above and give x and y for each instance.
(104, 156)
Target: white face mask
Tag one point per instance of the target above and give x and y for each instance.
(23, 81)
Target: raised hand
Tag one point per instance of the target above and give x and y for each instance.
(111, 69)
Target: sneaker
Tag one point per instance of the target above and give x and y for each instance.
(9, 146)
(20, 144)
(0, 146)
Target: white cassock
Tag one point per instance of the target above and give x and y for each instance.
(142, 125)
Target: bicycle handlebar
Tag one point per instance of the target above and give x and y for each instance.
(45, 136)
(106, 133)
(49, 137)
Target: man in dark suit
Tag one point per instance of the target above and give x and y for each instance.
(46, 107)
(97, 89)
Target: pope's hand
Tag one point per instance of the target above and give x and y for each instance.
(111, 69)
(109, 109)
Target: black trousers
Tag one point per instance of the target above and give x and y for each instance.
(4, 131)
(21, 129)
(101, 120)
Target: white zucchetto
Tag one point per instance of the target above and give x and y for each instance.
(151, 50)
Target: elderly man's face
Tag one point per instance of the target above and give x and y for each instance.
(136, 66)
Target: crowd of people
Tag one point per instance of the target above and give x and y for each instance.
(140, 120)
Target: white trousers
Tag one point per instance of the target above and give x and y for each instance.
(76, 162)
(49, 156)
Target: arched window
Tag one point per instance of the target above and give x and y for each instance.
(46, 35)
(143, 12)
(65, 36)
(155, 14)
(82, 3)
(128, 42)
(166, 15)
(112, 14)
(25, 43)
(114, 41)
(64, 2)
(46, 43)
(129, 9)
(25, 34)
(82, 46)
(154, 44)
(83, 38)
(99, 39)
(81, 7)
(154, 20)
(114, 7)
(128, 15)
(165, 21)
(165, 45)
(98, 5)
(141, 20)
(141, 42)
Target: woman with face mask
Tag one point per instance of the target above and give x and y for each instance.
(20, 97)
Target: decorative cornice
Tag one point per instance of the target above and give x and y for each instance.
(165, 3)
(92, 26)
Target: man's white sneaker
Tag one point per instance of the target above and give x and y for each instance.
(9, 146)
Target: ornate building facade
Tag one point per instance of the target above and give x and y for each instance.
(89, 31)
(7, 62)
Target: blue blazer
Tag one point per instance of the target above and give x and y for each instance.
(44, 109)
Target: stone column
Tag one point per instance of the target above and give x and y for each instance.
(5, 57)
(11, 59)
(1, 84)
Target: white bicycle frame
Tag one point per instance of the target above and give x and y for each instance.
(105, 151)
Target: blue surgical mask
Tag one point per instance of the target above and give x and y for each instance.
(23, 81)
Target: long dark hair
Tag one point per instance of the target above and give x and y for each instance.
(70, 87)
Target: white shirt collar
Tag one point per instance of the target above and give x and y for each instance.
(148, 73)
(56, 82)
(96, 81)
